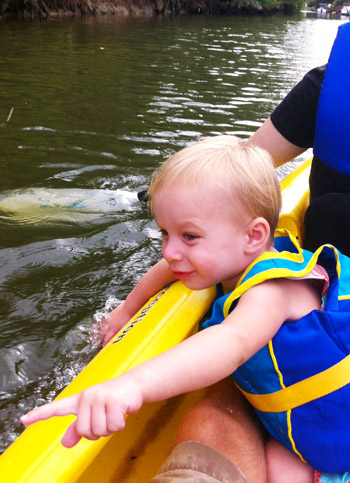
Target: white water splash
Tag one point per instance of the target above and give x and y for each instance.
(100, 318)
(61, 204)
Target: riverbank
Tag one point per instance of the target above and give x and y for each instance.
(67, 8)
(126, 8)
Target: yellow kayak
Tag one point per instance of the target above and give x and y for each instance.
(136, 453)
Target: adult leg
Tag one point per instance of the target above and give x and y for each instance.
(226, 422)
(283, 466)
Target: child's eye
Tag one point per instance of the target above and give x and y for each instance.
(164, 233)
(190, 237)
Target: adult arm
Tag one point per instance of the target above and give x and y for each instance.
(269, 138)
(290, 129)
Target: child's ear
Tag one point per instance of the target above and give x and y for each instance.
(258, 234)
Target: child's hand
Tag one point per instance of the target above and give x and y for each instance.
(100, 410)
(115, 321)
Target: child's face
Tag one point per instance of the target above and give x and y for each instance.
(203, 241)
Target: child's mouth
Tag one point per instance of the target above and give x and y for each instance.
(181, 275)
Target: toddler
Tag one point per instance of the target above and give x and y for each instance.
(217, 205)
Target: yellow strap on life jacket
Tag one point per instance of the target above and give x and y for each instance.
(304, 391)
(277, 272)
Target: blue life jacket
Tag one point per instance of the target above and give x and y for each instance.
(331, 144)
(299, 382)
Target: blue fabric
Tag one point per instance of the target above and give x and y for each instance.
(320, 428)
(331, 143)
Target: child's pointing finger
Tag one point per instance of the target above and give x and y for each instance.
(62, 407)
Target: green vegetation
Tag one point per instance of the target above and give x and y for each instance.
(46, 8)
(268, 5)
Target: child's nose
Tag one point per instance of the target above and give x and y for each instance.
(171, 251)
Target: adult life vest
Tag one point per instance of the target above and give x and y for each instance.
(331, 143)
(299, 382)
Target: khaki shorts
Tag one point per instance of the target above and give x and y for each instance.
(194, 462)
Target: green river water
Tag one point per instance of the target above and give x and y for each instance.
(90, 106)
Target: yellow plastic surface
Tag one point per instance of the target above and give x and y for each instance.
(135, 454)
(38, 456)
(295, 200)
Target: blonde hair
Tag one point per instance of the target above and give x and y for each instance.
(242, 172)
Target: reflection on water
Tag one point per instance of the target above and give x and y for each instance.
(92, 105)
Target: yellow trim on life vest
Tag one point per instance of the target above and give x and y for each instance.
(289, 421)
(302, 392)
(289, 424)
(273, 273)
(275, 364)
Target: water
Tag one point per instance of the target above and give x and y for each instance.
(96, 104)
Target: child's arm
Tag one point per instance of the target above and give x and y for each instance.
(154, 280)
(200, 361)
